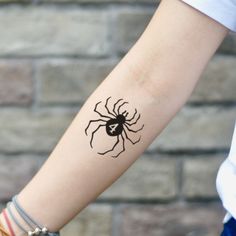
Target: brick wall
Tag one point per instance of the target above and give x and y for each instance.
(53, 54)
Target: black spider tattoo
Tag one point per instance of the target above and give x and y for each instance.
(116, 124)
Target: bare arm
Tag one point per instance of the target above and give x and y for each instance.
(156, 77)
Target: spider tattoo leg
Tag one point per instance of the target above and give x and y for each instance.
(95, 109)
(123, 143)
(108, 109)
(118, 109)
(133, 142)
(91, 121)
(134, 122)
(133, 115)
(125, 113)
(115, 106)
(134, 131)
(103, 153)
(91, 140)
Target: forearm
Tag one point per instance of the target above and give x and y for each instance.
(156, 77)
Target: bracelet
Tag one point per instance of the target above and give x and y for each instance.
(3, 231)
(14, 219)
(25, 216)
(38, 228)
(8, 222)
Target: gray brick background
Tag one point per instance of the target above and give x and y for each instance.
(53, 54)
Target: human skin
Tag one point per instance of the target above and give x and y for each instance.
(156, 77)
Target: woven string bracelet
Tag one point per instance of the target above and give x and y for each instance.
(8, 223)
(3, 231)
(14, 219)
(26, 217)
(39, 229)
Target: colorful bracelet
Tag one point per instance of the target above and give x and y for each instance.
(14, 218)
(8, 222)
(3, 231)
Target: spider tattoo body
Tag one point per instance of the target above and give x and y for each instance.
(117, 124)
